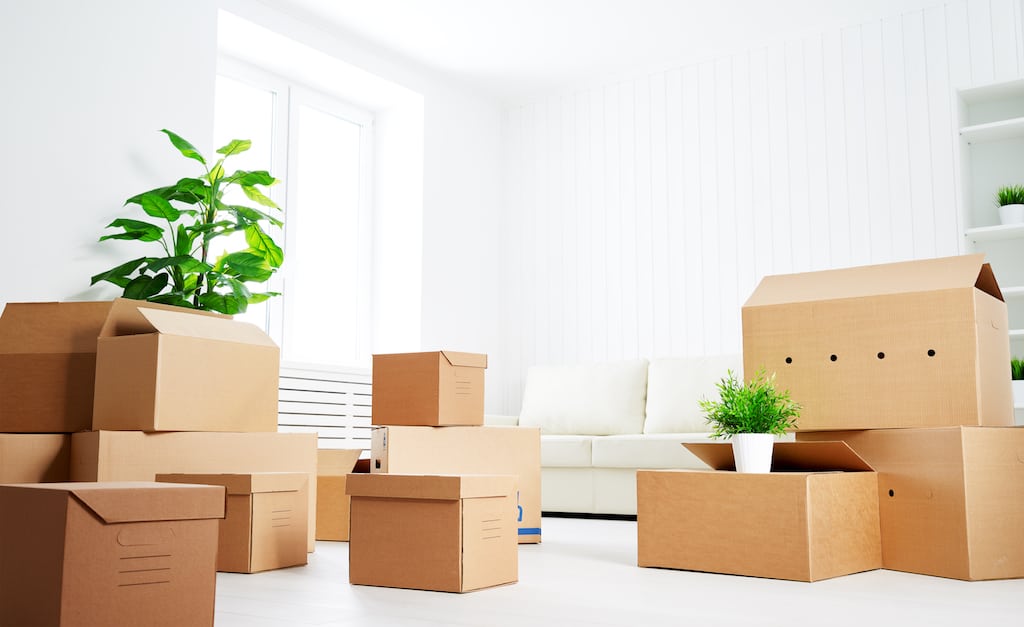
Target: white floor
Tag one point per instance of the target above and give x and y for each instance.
(585, 573)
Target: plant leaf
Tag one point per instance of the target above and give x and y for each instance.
(187, 263)
(145, 286)
(216, 172)
(259, 297)
(173, 298)
(246, 266)
(254, 177)
(134, 229)
(258, 240)
(183, 146)
(256, 195)
(234, 147)
(224, 303)
(158, 207)
(119, 275)
(250, 214)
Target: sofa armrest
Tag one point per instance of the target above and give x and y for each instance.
(493, 420)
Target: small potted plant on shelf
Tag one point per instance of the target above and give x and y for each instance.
(1017, 376)
(751, 414)
(1011, 204)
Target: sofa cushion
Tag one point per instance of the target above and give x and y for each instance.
(675, 385)
(593, 399)
(654, 451)
(572, 451)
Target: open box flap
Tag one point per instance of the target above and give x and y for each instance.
(189, 325)
(787, 456)
(126, 318)
(334, 462)
(467, 360)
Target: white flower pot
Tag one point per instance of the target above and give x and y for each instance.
(1011, 214)
(1018, 393)
(753, 452)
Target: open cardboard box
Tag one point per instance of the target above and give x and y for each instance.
(815, 516)
(910, 344)
(428, 389)
(65, 551)
(332, 503)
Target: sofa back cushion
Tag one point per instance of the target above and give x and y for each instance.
(675, 385)
(591, 399)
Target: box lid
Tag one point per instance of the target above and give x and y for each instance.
(885, 279)
(52, 327)
(182, 322)
(142, 501)
(467, 360)
(787, 456)
(441, 487)
(242, 483)
(125, 317)
(334, 462)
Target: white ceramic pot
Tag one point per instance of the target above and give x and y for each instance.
(1018, 393)
(1011, 214)
(753, 452)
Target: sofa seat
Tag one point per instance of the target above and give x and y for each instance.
(566, 451)
(651, 451)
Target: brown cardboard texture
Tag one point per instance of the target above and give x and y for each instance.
(447, 533)
(34, 457)
(467, 450)
(815, 516)
(173, 369)
(428, 389)
(910, 344)
(264, 525)
(81, 554)
(138, 456)
(332, 504)
(951, 500)
(48, 365)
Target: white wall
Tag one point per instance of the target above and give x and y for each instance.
(87, 86)
(640, 215)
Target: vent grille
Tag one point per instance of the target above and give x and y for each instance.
(333, 404)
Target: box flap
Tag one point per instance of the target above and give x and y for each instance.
(441, 487)
(189, 325)
(885, 279)
(125, 317)
(52, 327)
(787, 456)
(141, 501)
(467, 360)
(335, 462)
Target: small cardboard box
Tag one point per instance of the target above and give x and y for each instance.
(951, 500)
(48, 365)
(173, 369)
(264, 525)
(34, 457)
(467, 450)
(332, 504)
(138, 456)
(447, 533)
(83, 554)
(803, 521)
(428, 389)
(911, 344)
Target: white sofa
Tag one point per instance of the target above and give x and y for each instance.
(601, 422)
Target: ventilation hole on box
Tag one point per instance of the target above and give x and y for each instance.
(931, 352)
(881, 355)
(833, 358)
(892, 493)
(789, 360)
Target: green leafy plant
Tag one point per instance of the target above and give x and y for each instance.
(1010, 195)
(1017, 369)
(196, 216)
(754, 407)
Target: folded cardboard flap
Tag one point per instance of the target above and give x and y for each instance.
(336, 462)
(467, 360)
(188, 325)
(51, 327)
(144, 501)
(435, 487)
(125, 317)
(243, 483)
(787, 456)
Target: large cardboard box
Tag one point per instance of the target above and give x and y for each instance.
(428, 389)
(138, 456)
(48, 365)
(81, 555)
(951, 500)
(447, 533)
(34, 457)
(162, 368)
(911, 344)
(804, 521)
(467, 450)
(332, 503)
(264, 525)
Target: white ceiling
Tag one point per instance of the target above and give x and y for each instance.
(514, 49)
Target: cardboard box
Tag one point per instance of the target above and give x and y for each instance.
(447, 533)
(162, 368)
(951, 500)
(79, 555)
(467, 450)
(803, 521)
(34, 457)
(912, 344)
(265, 520)
(332, 503)
(138, 456)
(48, 365)
(428, 389)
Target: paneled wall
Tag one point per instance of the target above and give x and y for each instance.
(639, 215)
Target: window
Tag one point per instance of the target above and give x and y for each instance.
(320, 148)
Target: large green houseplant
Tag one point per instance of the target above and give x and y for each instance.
(751, 414)
(187, 271)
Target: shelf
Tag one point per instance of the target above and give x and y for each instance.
(993, 233)
(1003, 129)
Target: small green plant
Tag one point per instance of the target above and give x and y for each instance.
(1010, 195)
(188, 271)
(1017, 369)
(754, 407)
